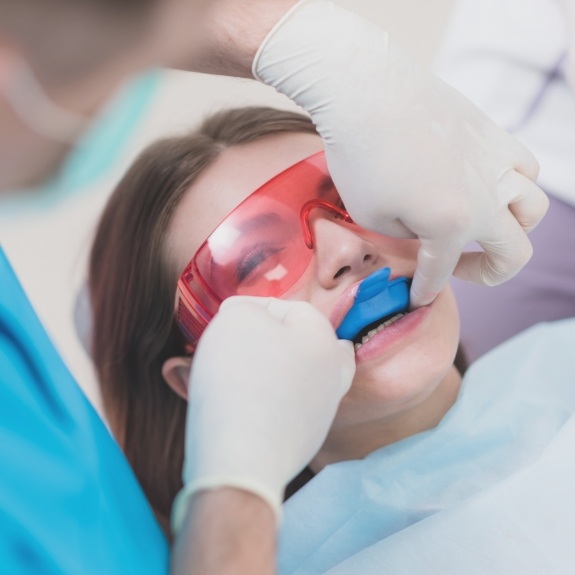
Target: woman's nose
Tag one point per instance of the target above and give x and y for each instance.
(340, 252)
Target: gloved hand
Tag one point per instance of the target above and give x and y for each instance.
(409, 155)
(266, 380)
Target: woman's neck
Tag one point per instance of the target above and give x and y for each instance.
(357, 441)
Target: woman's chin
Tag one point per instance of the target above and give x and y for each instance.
(407, 360)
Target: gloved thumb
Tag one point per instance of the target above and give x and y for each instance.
(347, 364)
(436, 261)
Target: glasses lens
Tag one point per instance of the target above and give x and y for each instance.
(259, 249)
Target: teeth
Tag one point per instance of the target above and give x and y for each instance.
(376, 330)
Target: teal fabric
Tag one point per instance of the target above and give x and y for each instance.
(490, 490)
(69, 502)
(96, 152)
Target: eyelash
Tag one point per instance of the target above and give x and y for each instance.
(252, 259)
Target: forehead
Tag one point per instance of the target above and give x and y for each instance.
(235, 174)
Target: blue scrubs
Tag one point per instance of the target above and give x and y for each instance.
(69, 502)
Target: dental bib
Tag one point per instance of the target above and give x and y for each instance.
(375, 299)
(488, 490)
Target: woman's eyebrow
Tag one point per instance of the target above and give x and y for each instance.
(260, 221)
(325, 186)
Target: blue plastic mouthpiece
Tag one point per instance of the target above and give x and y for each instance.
(376, 299)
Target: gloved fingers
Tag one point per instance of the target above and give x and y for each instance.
(243, 300)
(306, 317)
(297, 313)
(276, 308)
(436, 261)
(502, 258)
(347, 364)
(510, 152)
(526, 163)
(346, 344)
(529, 203)
(392, 227)
(316, 327)
(396, 229)
(283, 311)
(291, 312)
(287, 312)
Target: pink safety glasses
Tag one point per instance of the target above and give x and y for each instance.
(262, 247)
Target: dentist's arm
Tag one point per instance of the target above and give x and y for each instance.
(409, 155)
(225, 39)
(226, 531)
(266, 381)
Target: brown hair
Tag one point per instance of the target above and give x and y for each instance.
(132, 292)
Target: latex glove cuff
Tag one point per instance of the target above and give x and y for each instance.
(184, 497)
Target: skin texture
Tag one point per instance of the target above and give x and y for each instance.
(230, 34)
(403, 384)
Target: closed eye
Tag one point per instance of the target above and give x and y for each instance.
(255, 259)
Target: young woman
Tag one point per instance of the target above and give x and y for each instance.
(175, 194)
(174, 198)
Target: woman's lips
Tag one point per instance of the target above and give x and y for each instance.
(391, 335)
(345, 302)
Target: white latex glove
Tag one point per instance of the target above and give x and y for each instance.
(409, 155)
(266, 381)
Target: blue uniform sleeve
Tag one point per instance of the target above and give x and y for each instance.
(69, 501)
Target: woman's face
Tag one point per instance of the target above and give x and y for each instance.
(399, 367)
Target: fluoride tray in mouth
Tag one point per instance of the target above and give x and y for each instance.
(376, 299)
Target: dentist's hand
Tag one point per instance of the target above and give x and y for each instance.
(266, 381)
(409, 155)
